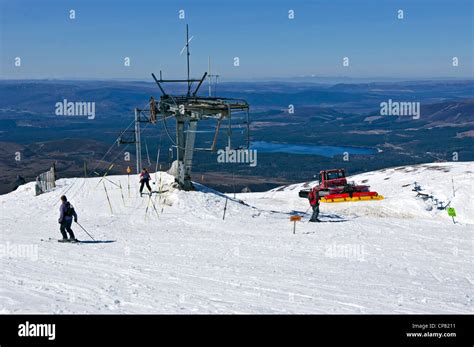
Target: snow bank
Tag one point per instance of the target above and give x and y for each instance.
(396, 185)
(174, 253)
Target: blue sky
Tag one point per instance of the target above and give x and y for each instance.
(267, 43)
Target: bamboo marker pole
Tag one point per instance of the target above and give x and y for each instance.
(129, 170)
(108, 199)
(121, 193)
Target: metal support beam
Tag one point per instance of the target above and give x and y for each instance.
(200, 82)
(185, 180)
(138, 145)
(180, 140)
(158, 83)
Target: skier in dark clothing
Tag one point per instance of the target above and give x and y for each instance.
(66, 215)
(144, 179)
(313, 197)
(19, 181)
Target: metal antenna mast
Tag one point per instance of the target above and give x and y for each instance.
(187, 56)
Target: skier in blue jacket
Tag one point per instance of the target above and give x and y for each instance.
(66, 215)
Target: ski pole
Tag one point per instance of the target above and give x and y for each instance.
(225, 207)
(85, 231)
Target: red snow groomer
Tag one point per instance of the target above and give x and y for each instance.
(333, 187)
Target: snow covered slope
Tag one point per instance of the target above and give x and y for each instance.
(174, 253)
(396, 185)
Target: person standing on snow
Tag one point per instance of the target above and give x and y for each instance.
(19, 181)
(313, 198)
(66, 215)
(144, 179)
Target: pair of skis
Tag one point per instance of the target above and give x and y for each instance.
(50, 239)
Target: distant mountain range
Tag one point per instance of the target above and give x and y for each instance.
(324, 114)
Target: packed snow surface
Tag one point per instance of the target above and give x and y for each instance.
(174, 253)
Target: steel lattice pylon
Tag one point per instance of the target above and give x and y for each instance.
(188, 110)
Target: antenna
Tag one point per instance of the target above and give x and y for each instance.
(187, 56)
(209, 70)
(186, 46)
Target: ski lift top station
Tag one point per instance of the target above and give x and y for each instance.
(187, 110)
